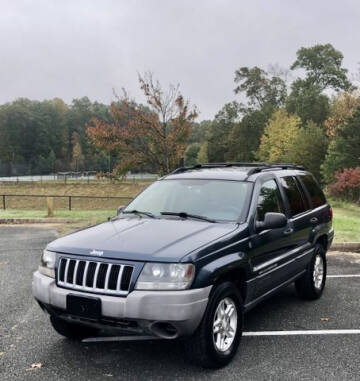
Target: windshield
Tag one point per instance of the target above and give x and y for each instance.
(214, 199)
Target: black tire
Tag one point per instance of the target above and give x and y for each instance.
(306, 286)
(72, 331)
(200, 347)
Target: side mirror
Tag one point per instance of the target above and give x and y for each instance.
(272, 221)
(120, 209)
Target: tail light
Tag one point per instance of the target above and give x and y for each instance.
(331, 213)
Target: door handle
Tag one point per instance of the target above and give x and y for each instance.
(288, 231)
(314, 220)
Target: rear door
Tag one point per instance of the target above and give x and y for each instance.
(320, 215)
(299, 210)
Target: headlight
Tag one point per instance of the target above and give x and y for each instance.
(165, 276)
(47, 266)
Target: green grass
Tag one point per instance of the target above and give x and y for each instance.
(80, 218)
(346, 221)
(98, 215)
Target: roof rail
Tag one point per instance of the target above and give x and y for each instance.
(254, 167)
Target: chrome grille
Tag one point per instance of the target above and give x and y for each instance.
(92, 276)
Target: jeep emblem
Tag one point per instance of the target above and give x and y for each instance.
(96, 252)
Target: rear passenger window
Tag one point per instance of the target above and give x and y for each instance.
(297, 201)
(315, 192)
(269, 200)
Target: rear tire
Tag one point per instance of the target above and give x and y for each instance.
(216, 340)
(72, 331)
(311, 285)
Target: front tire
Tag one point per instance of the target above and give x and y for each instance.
(311, 285)
(216, 340)
(72, 331)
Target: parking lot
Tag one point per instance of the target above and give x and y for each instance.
(317, 340)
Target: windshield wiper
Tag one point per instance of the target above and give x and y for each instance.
(187, 215)
(138, 212)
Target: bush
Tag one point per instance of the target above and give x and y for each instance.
(346, 185)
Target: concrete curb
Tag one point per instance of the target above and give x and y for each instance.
(353, 247)
(15, 221)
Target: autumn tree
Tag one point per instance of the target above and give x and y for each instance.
(156, 135)
(342, 108)
(279, 135)
(77, 155)
(344, 148)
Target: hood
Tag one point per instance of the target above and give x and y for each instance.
(142, 239)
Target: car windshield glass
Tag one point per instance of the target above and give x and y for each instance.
(219, 200)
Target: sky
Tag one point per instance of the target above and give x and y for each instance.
(75, 48)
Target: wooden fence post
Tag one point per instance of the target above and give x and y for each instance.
(50, 206)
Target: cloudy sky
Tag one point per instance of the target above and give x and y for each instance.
(73, 48)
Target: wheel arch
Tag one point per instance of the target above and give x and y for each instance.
(231, 267)
(323, 241)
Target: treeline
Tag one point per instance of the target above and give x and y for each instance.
(307, 114)
(49, 136)
(312, 119)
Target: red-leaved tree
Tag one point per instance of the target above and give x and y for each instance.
(347, 184)
(156, 135)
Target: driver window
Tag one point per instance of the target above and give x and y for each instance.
(269, 200)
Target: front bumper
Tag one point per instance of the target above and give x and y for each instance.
(182, 309)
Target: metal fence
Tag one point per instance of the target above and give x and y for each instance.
(68, 202)
(66, 177)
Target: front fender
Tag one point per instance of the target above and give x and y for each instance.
(212, 271)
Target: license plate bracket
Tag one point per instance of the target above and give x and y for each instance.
(87, 307)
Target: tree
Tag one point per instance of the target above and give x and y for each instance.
(307, 101)
(279, 135)
(344, 148)
(309, 148)
(77, 155)
(202, 155)
(259, 87)
(199, 131)
(191, 154)
(156, 135)
(323, 67)
(346, 184)
(217, 147)
(342, 108)
(323, 70)
(244, 138)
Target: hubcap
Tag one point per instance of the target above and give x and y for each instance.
(318, 274)
(225, 324)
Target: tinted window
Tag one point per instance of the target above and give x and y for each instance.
(316, 194)
(269, 200)
(292, 191)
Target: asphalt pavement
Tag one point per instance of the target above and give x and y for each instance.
(27, 338)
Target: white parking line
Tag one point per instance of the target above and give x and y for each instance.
(255, 333)
(305, 332)
(344, 276)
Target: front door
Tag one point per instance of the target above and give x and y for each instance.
(269, 247)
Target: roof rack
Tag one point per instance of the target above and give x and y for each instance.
(253, 167)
